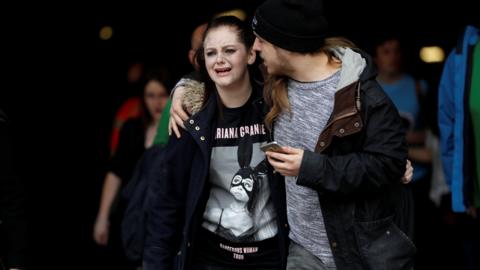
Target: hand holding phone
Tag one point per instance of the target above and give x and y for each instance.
(288, 163)
(272, 146)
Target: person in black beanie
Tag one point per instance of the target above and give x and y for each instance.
(344, 144)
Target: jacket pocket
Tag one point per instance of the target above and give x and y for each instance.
(383, 245)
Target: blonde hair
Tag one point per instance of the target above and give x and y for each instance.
(275, 88)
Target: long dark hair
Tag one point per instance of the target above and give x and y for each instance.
(159, 75)
(245, 36)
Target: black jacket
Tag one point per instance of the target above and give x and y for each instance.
(180, 192)
(356, 168)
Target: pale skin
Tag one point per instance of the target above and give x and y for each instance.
(101, 227)
(178, 115)
(155, 97)
(296, 66)
(226, 61)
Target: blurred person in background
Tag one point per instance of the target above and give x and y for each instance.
(136, 135)
(459, 123)
(131, 106)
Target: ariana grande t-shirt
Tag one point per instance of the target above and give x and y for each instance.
(239, 211)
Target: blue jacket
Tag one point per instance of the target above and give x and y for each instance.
(180, 191)
(451, 116)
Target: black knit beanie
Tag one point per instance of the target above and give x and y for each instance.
(294, 25)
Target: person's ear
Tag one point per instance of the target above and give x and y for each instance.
(252, 55)
(191, 56)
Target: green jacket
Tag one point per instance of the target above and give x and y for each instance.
(162, 131)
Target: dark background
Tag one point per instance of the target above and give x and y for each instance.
(61, 88)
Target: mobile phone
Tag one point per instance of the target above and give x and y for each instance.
(272, 146)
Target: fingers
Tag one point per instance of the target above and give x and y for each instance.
(279, 156)
(407, 177)
(284, 168)
(173, 126)
(176, 114)
(179, 115)
(291, 150)
(178, 121)
(408, 173)
(100, 234)
(279, 166)
(177, 108)
(102, 239)
(179, 112)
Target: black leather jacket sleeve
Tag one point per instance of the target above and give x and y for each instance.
(378, 160)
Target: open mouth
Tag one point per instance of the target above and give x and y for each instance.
(223, 71)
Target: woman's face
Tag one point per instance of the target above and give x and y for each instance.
(156, 97)
(241, 188)
(226, 57)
